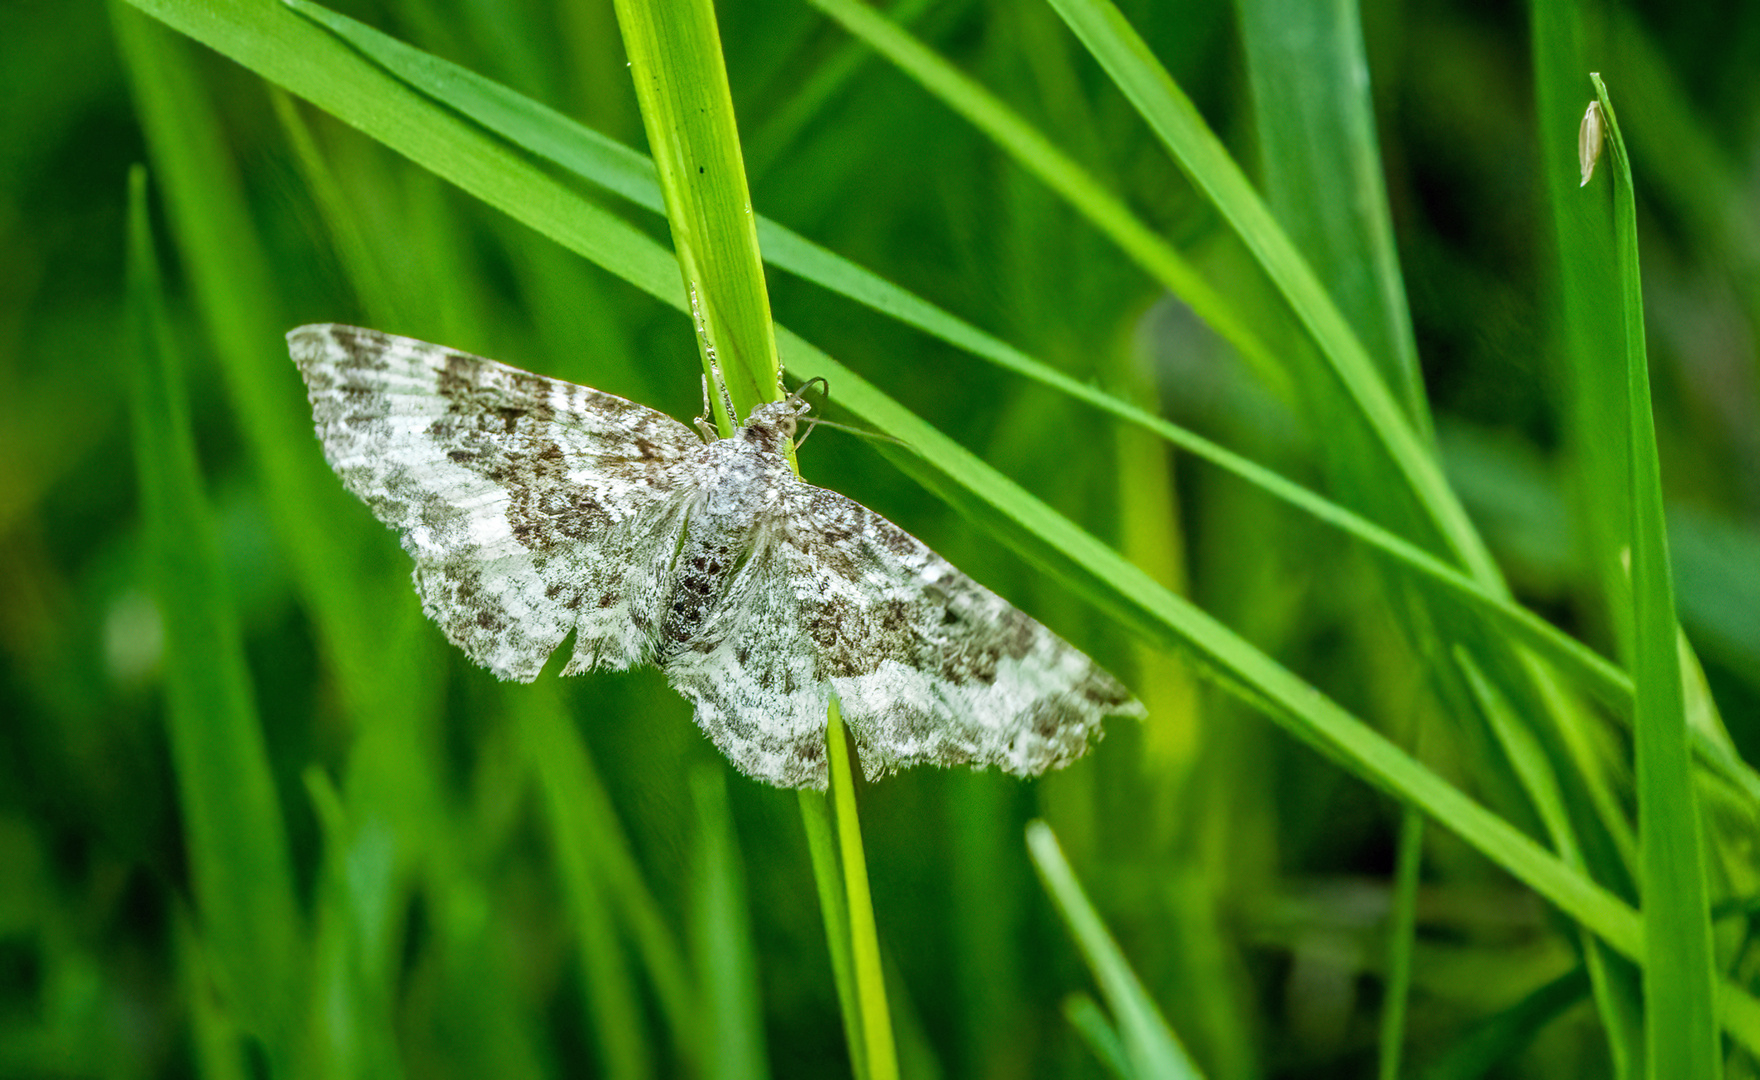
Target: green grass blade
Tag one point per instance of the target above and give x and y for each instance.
(681, 83)
(371, 283)
(1091, 1024)
(1527, 757)
(564, 772)
(1594, 405)
(1173, 118)
(1401, 936)
(726, 958)
(821, 833)
(878, 1049)
(1680, 1024)
(1058, 171)
(240, 867)
(1322, 170)
(1541, 784)
(1150, 1046)
(355, 907)
(1503, 1035)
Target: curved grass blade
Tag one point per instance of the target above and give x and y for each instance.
(1057, 170)
(726, 959)
(1680, 1024)
(1173, 118)
(1150, 1045)
(1322, 170)
(240, 868)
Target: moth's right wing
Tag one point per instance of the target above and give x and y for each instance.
(532, 506)
(929, 666)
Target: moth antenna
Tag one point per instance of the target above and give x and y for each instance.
(815, 420)
(879, 436)
(800, 396)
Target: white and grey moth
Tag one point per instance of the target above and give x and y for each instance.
(535, 508)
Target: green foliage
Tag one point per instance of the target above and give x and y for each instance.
(257, 818)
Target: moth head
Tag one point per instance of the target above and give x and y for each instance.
(772, 425)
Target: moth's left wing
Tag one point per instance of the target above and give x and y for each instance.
(532, 506)
(929, 666)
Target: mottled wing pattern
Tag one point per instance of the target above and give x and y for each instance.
(930, 666)
(532, 506)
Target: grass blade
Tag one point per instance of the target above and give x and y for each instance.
(1503, 1035)
(563, 771)
(1057, 170)
(1323, 174)
(1529, 760)
(1150, 1046)
(1401, 936)
(821, 830)
(1091, 1024)
(878, 1050)
(240, 867)
(1600, 492)
(1679, 973)
(1173, 118)
(726, 958)
(681, 83)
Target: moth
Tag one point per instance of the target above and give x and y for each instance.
(535, 509)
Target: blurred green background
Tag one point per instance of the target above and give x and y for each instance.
(493, 880)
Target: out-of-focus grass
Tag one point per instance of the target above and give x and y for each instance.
(491, 880)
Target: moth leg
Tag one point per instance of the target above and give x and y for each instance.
(705, 426)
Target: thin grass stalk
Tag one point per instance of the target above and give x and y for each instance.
(240, 867)
(1150, 1046)
(878, 1046)
(1680, 1026)
(681, 85)
(1402, 928)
